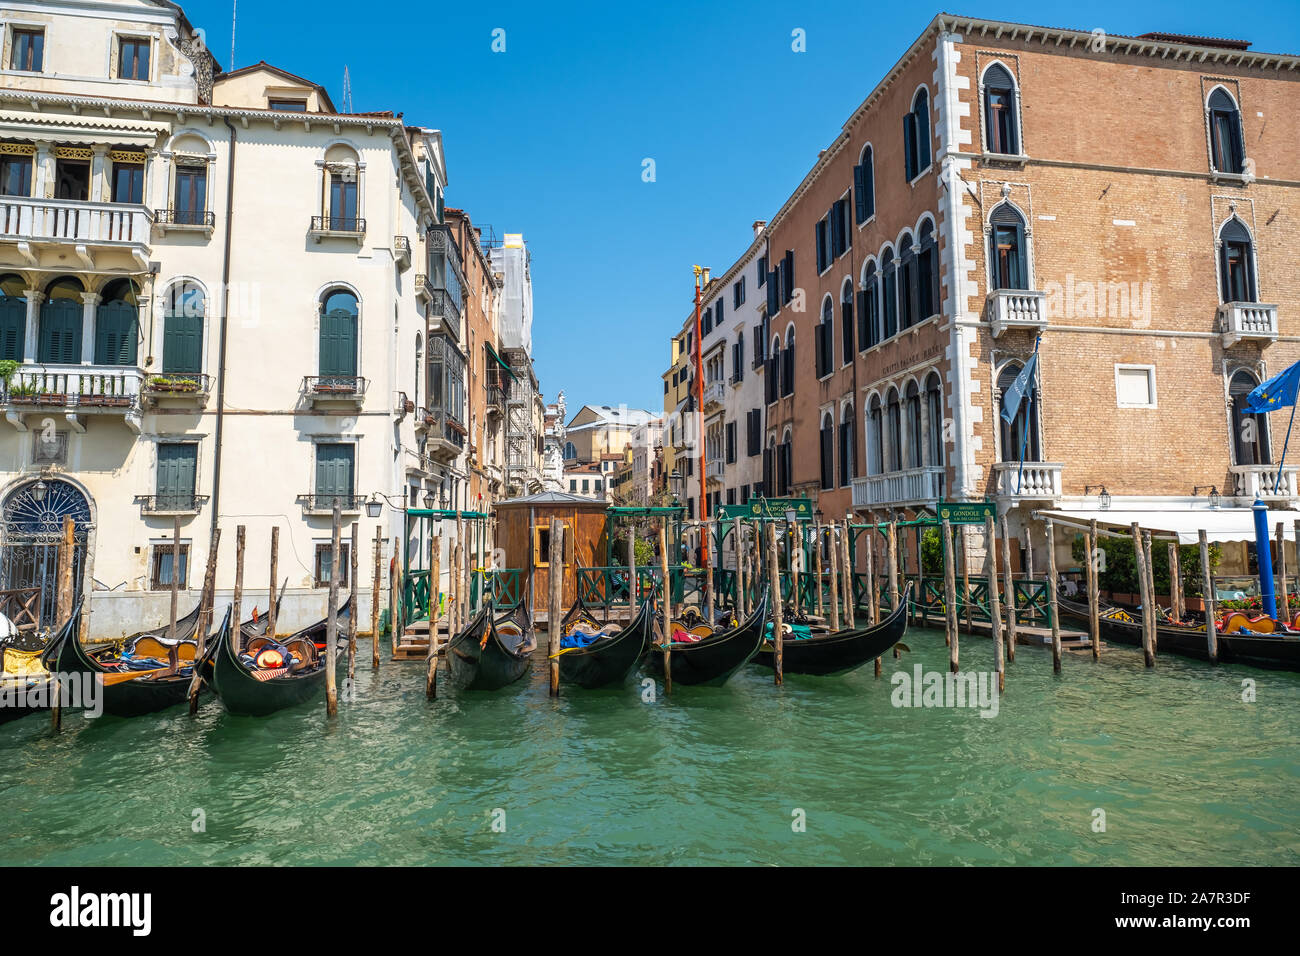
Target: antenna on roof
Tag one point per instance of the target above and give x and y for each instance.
(347, 91)
(234, 15)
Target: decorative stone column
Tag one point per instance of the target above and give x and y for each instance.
(31, 337)
(43, 172)
(100, 188)
(90, 301)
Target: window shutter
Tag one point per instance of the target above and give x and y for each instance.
(182, 342)
(847, 321)
(869, 184)
(860, 193)
(909, 147)
(922, 132)
(773, 299)
(862, 320)
(787, 286)
(338, 343)
(13, 327)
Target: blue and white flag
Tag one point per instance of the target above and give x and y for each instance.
(1278, 392)
(1014, 395)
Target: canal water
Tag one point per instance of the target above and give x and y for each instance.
(1106, 764)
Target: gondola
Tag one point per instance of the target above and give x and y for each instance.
(609, 659)
(841, 651)
(27, 688)
(1279, 650)
(490, 653)
(256, 692)
(123, 693)
(718, 654)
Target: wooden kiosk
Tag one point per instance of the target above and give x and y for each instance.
(523, 534)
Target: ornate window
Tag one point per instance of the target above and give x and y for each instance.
(1226, 152)
(916, 136)
(1000, 133)
(1250, 444)
(1008, 262)
(1236, 263)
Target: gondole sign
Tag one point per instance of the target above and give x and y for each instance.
(769, 508)
(965, 512)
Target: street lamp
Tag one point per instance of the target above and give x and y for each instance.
(38, 491)
(1103, 498)
(1214, 494)
(374, 507)
(429, 500)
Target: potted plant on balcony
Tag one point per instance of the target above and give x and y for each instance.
(35, 395)
(169, 383)
(8, 369)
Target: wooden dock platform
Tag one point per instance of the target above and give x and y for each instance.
(1071, 639)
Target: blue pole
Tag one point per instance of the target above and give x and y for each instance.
(1264, 558)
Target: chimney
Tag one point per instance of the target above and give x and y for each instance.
(759, 226)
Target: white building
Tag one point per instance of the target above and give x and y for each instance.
(216, 289)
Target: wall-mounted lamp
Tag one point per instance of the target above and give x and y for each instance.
(1214, 494)
(1103, 498)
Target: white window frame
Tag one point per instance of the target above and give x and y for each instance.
(1151, 380)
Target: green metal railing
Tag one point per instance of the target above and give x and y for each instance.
(506, 586)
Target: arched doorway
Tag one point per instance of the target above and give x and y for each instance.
(31, 527)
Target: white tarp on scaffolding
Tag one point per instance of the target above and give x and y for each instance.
(1219, 524)
(512, 261)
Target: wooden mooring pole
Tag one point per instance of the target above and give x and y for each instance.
(667, 609)
(631, 571)
(237, 601)
(817, 568)
(1052, 596)
(271, 610)
(778, 609)
(1148, 612)
(950, 597)
(1283, 603)
(995, 606)
(850, 611)
(353, 611)
(1150, 598)
(1208, 597)
(1009, 590)
(374, 600)
(207, 598)
(1094, 586)
(64, 602)
(835, 576)
(332, 613)
(555, 603)
(435, 580)
(176, 576)
(1176, 580)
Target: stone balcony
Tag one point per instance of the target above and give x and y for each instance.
(1036, 480)
(1247, 322)
(86, 229)
(897, 489)
(334, 391)
(1016, 309)
(1257, 481)
(715, 471)
(715, 396)
(176, 390)
(73, 391)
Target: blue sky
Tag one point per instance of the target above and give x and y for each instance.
(548, 138)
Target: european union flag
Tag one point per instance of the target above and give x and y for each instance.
(1278, 392)
(1014, 395)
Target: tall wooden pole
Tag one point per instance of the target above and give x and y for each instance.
(835, 576)
(1175, 580)
(65, 592)
(555, 602)
(176, 575)
(374, 599)
(817, 568)
(206, 601)
(892, 545)
(965, 577)
(1052, 588)
(466, 578)
(873, 610)
(709, 563)
(995, 605)
(271, 610)
(237, 602)
(332, 614)
(1093, 584)
(435, 585)
(1148, 613)
(1208, 596)
(1151, 593)
(737, 535)
(847, 563)
(950, 596)
(354, 611)
(1283, 603)
(631, 570)
(667, 609)
(1009, 591)
(778, 610)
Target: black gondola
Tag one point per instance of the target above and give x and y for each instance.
(124, 695)
(24, 694)
(1279, 651)
(841, 651)
(258, 692)
(490, 653)
(610, 659)
(717, 655)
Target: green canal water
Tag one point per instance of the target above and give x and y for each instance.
(1185, 771)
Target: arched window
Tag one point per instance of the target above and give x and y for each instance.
(869, 308)
(343, 189)
(864, 187)
(1000, 111)
(1008, 267)
(338, 334)
(1226, 151)
(934, 412)
(570, 451)
(13, 318)
(1249, 431)
(846, 320)
(927, 274)
(787, 364)
(59, 342)
(1236, 263)
(184, 308)
(907, 293)
(848, 447)
(117, 324)
(889, 294)
(916, 135)
(1022, 432)
(827, 450)
(826, 339)
(875, 438)
(894, 423)
(914, 441)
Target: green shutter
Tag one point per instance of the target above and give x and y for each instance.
(182, 343)
(334, 469)
(13, 327)
(177, 467)
(338, 343)
(117, 330)
(60, 332)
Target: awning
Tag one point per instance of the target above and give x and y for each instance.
(1219, 524)
(492, 352)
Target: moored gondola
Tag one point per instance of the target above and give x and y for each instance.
(840, 651)
(26, 684)
(717, 654)
(610, 657)
(269, 674)
(490, 653)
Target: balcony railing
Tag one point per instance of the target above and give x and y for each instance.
(897, 488)
(185, 219)
(179, 386)
(69, 220)
(446, 437)
(336, 388)
(171, 504)
(715, 395)
(715, 469)
(84, 386)
(1257, 481)
(496, 399)
(349, 226)
(1016, 309)
(324, 503)
(1247, 322)
(1037, 479)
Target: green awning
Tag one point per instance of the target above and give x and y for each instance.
(500, 361)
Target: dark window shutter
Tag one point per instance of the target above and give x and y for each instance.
(909, 147)
(869, 183)
(862, 319)
(860, 193)
(773, 300)
(922, 131)
(116, 333)
(847, 323)
(338, 343)
(182, 342)
(13, 327)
